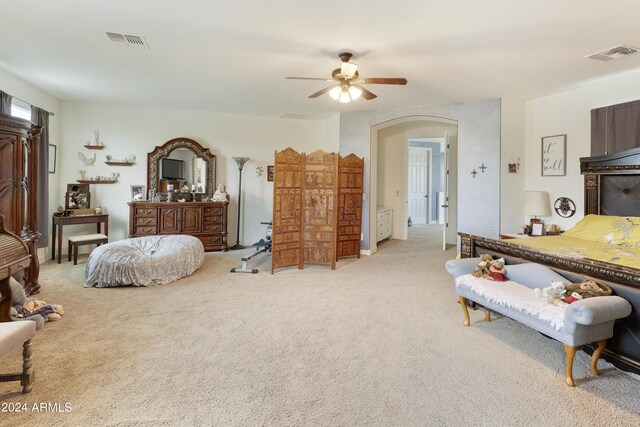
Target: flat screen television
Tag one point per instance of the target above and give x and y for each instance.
(172, 168)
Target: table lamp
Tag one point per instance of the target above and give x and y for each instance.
(536, 203)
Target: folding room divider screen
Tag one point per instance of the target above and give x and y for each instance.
(317, 208)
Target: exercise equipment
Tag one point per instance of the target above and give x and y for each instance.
(264, 245)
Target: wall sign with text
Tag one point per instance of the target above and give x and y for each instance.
(554, 153)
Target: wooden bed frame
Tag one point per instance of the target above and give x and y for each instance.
(611, 187)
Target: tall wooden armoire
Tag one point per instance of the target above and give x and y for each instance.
(18, 188)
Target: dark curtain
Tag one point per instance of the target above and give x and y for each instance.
(615, 128)
(41, 118)
(5, 103)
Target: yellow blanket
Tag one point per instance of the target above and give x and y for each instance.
(581, 248)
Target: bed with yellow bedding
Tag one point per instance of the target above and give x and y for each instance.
(603, 246)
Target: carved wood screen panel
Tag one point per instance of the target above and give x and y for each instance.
(351, 178)
(320, 204)
(286, 234)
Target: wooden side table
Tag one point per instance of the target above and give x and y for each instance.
(61, 221)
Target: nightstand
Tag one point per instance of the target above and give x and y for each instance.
(514, 236)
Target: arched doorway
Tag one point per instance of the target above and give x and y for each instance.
(391, 168)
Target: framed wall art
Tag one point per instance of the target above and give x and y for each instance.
(52, 158)
(270, 173)
(554, 153)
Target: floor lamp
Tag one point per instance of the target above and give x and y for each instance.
(240, 161)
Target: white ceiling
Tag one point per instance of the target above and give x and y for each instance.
(232, 56)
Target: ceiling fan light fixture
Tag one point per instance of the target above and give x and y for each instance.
(335, 93)
(344, 96)
(354, 92)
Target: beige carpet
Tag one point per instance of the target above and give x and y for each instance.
(377, 342)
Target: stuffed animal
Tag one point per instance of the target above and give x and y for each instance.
(553, 293)
(18, 300)
(589, 289)
(497, 271)
(482, 269)
(50, 312)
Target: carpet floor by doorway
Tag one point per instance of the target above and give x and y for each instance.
(377, 342)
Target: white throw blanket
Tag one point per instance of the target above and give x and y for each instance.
(514, 295)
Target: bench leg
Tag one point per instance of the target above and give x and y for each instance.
(571, 353)
(75, 254)
(28, 374)
(593, 367)
(69, 252)
(487, 315)
(463, 304)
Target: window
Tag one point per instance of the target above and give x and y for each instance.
(20, 109)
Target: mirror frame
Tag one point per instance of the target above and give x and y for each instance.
(154, 157)
(82, 188)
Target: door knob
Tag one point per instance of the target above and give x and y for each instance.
(444, 206)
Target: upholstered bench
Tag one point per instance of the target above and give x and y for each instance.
(84, 239)
(13, 334)
(144, 261)
(583, 322)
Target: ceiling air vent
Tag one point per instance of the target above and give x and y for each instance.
(128, 40)
(297, 116)
(613, 53)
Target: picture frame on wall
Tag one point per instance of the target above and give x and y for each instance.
(52, 158)
(270, 173)
(138, 193)
(554, 153)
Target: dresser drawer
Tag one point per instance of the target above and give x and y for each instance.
(212, 219)
(144, 230)
(210, 240)
(146, 220)
(146, 211)
(212, 227)
(19, 267)
(213, 210)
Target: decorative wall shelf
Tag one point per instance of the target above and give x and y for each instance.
(94, 147)
(104, 181)
(120, 163)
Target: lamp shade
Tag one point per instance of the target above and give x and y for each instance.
(536, 203)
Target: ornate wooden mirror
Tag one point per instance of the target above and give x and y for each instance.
(184, 164)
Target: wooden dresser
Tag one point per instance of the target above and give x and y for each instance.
(205, 220)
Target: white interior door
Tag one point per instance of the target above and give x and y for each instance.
(419, 158)
(445, 201)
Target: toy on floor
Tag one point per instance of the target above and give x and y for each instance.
(28, 308)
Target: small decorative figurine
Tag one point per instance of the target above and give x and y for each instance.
(220, 195)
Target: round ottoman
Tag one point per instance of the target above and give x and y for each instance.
(143, 261)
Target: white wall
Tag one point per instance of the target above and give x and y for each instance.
(39, 98)
(569, 113)
(513, 115)
(478, 210)
(127, 130)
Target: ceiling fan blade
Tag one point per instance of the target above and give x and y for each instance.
(321, 92)
(384, 81)
(348, 70)
(309, 78)
(366, 94)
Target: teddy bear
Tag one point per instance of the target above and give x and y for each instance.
(497, 271)
(50, 312)
(589, 289)
(18, 300)
(553, 293)
(482, 269)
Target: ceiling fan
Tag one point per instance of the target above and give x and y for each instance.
(349, 84)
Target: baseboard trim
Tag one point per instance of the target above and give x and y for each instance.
(366, 252)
